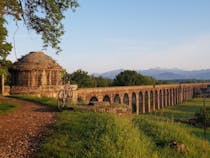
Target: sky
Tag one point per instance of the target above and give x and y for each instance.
(104, 35)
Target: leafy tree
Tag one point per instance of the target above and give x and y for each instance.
(43, 16)
(130, 78)
(82, 78)
(103, 82)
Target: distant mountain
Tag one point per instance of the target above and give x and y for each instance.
(109, 74)
(165, 74)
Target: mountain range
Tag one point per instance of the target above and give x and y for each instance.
(164, 74)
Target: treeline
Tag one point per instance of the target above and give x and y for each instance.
(125, 78)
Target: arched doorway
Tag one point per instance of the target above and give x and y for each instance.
(151, 101)
(160, 99)
(156, 99)
(126, 99)
(134, 102)
(93, 100)
(106, 99)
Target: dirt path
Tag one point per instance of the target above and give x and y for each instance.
(22, 130)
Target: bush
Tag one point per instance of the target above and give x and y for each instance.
(203, 115)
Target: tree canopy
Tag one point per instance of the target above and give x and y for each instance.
(43, 16)
(131, 78)
(83, 79)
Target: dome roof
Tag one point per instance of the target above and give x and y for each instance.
(36, 60)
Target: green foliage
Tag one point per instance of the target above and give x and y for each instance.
(87, 135)
(103, 82)
(130, 78)
(7, 106)
(203, 115)
(44, 17)
(82, 78)
(5, 47)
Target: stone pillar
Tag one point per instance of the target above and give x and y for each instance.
(143, 102)
(43, 78)
(121, 98)
(149, 108)
(57, 77)
(166, 98)
(137, 104)
(50, 78)
(172, 97)
(33, 78)
(130, 100)
(158, 99)
(154, 100)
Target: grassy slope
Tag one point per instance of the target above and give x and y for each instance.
(88, 134)
(186, 110)
(7, 106)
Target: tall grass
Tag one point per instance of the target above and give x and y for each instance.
(162, 132)
(85, 134)
(88, 135)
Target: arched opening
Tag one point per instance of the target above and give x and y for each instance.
(106, 99)
(117, 99)
(146, 102)
(134, 102)
(140, 102)
(160, 98)
(126, 99)
(151, 101)
(93, 100)
(156, 99)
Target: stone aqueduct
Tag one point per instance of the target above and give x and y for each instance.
(141, 99)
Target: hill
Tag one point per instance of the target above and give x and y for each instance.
(165, 74)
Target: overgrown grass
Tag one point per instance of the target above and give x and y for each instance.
(82, 134)
(162, 132)
(7, 106)
(185, 110)
(88, 135)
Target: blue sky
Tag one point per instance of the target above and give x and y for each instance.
(137, 34)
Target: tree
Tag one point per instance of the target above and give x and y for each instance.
(43, 16)
(103, 82)
(82, 78)
(130, 78)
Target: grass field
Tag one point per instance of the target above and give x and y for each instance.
(7, 107)
(84, 134)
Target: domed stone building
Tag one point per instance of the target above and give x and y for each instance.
(36, 73)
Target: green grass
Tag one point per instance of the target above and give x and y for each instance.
(161, 131)
(89, 135)
(185, 110)
(82, 134)
(7, 107)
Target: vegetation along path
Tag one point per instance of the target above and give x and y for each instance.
(22, 129)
